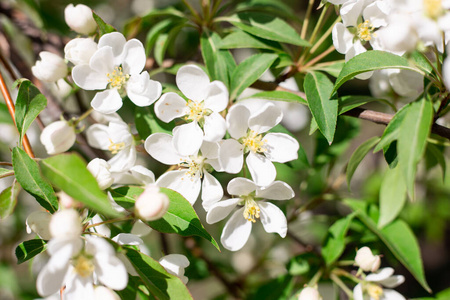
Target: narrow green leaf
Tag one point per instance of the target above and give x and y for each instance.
(8, 199)
(358, 156)
(218, 62)
(334, 244)
(333, 69)
(412, 140)
(161, 284)
(30, 102)
(29, 249)
(68, 172)
(247, 72)
(371, 61)
(399, 239)
(347, 103)
(103, 27)
(392, 196)
(28, 175)
(391, 132)
(154, 32)
(147, 122)
(163, 41)
(324, 110)
(278, 96)
(180, 218)
(6, 172)
(240, 39)
(267, 27)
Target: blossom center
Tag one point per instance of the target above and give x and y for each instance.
(115, 147)
(365, 31)
(197, 111)
(374, 291)
(433, 8)
(251, 210)
(83, 266)
(194, 165)
(117, 78)
(254, 142)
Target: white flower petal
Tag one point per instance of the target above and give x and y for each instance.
(38, 222)
(115, 40)
(261, 168)
(350, 12)
(193, 82)
(357, 292)
(236, 232)
(143, 174)
(133, 57)
(142, 91)
(178, 181)
(78, 287)
(277, 190)
(128, 239)
(103, 61)
(170, 106)
(89, 79)
(187, 138)
(273, 219)
(123, 160)
(393, 281)
(217, 96)
(211, 188)
(160, 147)
(231, 156)
(98, 136)
(391, 295)
(210, 150)
(382, 274)
(237, 121)
(221, 210)
(215, 127)
(280, 147)
(111, 271)
(175, 265)
(342, 38)
(446, 72)
(265, 118)
(241, 186)
(107, 102)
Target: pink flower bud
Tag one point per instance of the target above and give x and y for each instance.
(151, 204)
(366, 260)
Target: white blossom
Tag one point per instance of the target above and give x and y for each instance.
(175, 265)
(50, 68)
(366, 260)
(80, 19)
(237, 229)
(101, 171)
(38, 222)
(58, 137)
(373, 286)
(65, 224)
(80, 50)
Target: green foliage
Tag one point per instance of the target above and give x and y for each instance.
(278, 96)
(29, 249)
(147, 122)
(358, 156)
(103, 27)
(334, 244)
(8, 199)
(392, 196)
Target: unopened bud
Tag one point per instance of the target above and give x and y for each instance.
(65, 224)
(151, 204)
(50, 68)
(80, 19)
(58, 137)
(65, 200)
(309, 293)
(366, 260)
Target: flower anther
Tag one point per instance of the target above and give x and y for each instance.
(117, 79)
(115, 147)
(194, 165)
(365, 31)
(254, 142)
(374, 291)
(433, 8)
(251, 211)
(83, 266)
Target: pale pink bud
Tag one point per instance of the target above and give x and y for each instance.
(50, 68)
(151, 204)
(58, 137)
(65, 224)
(80, 19)
(366, 260)
(309, 293)
(65, 200)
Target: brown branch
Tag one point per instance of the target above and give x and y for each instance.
(360, 113)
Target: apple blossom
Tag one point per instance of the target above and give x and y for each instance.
(58, 137)
(104, 293)
(80, 19)
(195, 173)
(100, 169)
(237, 230)
(205, 100)
(373, 284)
(50, 68)
(116, 66)
(309, 293)
(151, 204)
(248, 136)
(65, 224)
(80, 50)
(175, 265)
(366, 260)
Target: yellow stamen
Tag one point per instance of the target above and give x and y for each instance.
(365, 31)
(117, 78)
(197, 110)
(194, 165)
(254, 142)
(374, 291)
(433, 8)
(115, 147)
(83, 266)
(251, 210)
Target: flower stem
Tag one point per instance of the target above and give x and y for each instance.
(110, 221)
(307, 17)
(315, 278)
(342, 285)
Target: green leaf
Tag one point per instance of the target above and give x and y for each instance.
(247, 72)
(5, 172)
(180, 217)
(392, 196)
(358, 156)
(399, 239)
(334, 244)
(103, 27)
(267, 27)
(333, 69)
(8, 199)
(347, 103)
(324, 110)
(5, 117)
(391, 132)
(30, 102)
(147, 122)
(163, 41)
(160, 283)
(371, 61)
(29, 249)
(28, 175)
(412, 140)
(68, 172)
(278, 96)
(240, 39)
